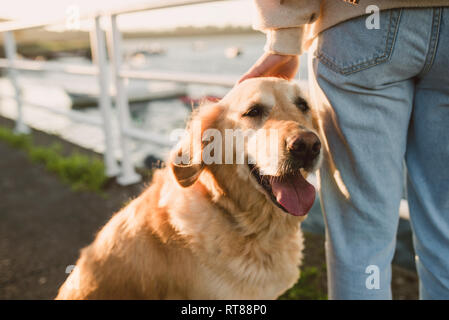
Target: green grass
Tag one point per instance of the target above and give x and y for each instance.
(308, 286)
(79, 171)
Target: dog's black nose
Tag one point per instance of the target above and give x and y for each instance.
(305, 147)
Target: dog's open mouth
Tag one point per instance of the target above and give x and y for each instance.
(291, 193)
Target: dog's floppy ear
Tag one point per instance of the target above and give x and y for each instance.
(186, 175)
(186, 160)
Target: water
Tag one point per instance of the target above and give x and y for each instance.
(206, 54)
(201, 54)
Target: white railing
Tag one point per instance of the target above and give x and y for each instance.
(125, 172)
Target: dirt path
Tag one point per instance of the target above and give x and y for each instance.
(44, 224)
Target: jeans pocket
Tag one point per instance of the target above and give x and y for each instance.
(350, 46)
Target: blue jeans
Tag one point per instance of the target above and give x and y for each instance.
(386, 100)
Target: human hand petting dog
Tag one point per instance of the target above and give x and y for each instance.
(273, 65)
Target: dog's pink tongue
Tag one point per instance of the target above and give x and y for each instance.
(295, 194)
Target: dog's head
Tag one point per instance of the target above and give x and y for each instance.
(267, 132)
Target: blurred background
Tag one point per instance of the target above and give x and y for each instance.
(90, 92)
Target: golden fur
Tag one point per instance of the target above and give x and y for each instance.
(201, 231)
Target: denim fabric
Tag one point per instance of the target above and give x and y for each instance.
(386, 99)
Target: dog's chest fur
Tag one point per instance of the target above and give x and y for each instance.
(235, 265)
(252, 278)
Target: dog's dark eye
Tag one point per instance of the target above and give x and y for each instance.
(254, 111)
(301, 104)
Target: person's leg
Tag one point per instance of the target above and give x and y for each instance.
(366, 78)
(428, 166)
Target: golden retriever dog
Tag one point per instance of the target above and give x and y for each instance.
(222, 229)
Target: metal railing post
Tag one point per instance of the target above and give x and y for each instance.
(128, 174)
(11, 55)
(98, 47)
